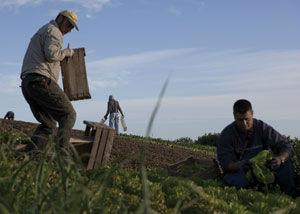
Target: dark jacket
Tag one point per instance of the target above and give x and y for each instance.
(113, 107)
(9, 115)
(233, 145)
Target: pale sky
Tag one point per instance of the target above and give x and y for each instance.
(216, 52)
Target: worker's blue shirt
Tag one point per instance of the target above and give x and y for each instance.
(234, 145)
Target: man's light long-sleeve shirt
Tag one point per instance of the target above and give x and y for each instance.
(44, 53)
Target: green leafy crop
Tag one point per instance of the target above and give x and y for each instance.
(47, 184)
(262, 173)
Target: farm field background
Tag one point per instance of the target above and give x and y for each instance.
(47, 183)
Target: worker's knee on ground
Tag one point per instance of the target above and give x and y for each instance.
(286, 178)
(238, 180)
(285, 174)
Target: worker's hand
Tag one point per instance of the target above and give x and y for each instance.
(275, 163)
(105, 117)
(68, 52)
(244, 165)
(123, 116)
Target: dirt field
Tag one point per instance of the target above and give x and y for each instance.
(156, 155)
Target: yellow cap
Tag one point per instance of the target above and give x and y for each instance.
(71, 16)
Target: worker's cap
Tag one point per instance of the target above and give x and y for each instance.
(71, 16)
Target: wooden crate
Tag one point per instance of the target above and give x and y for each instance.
(175, 168)
(96, 144)
(74, 76)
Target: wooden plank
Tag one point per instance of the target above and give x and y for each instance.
(174, 168)
(96, 124)
(188, 160)
(91, 123)
(94, 149)
(79, 90)
(74, 75)
(80, 139)
(20, 147)
(109, 144)
(82, 91)
(66, 77)
(101, 148)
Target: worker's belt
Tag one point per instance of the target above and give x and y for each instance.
(34, 75)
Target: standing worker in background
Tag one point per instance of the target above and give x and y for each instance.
(40, 72)
(113, 109)
(9, 115)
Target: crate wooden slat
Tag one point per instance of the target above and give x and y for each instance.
(174, 168)
(94, 147)
(81, 139)
(97, 143)
(94, 150)
(74, 76)
(101, 148)
(108, 148)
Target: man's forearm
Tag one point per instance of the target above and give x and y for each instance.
(106, 114)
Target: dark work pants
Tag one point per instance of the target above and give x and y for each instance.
(49, 104)
(284, 175)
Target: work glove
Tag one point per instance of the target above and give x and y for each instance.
(275, 163)
(105, 117)
(68, 52)
(244, 165)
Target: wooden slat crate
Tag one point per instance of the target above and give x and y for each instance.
(97, 143)
(175, 168)
(74, 76)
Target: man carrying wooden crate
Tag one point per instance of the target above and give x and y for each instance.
(40, 72)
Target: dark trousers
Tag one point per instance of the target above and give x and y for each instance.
(49, 104)
(284, 176)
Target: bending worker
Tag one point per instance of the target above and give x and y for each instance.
(9, 115)
(40, 72)
(243, 139)
(113, 109)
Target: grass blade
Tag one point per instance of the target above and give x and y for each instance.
(157, 106)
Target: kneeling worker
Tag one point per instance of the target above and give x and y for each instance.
(243, 139)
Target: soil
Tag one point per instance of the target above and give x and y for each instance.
(127, 150)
